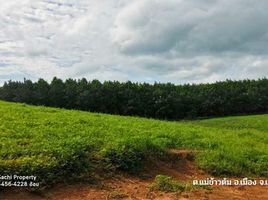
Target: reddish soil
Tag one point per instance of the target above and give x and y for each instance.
(124, 186)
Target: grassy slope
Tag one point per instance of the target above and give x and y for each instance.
(53, 143)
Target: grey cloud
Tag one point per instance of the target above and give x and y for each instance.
(193, 27)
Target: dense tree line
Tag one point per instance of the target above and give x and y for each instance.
(163, 101)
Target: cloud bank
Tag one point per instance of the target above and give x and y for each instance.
(144, 40)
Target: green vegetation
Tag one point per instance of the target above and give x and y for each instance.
(160, 100)
(259, 123)
(167, 184)
(55, 144)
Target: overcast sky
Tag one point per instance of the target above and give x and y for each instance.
(177, 41)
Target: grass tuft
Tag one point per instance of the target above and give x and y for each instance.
(167, 184)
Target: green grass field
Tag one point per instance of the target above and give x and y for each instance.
(56, 143)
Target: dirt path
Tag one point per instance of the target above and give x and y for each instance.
(125, 186)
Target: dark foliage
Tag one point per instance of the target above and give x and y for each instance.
(162, 101)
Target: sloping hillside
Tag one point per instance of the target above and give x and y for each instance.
(58, 144)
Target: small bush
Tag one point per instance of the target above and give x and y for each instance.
(129, 154)
(118, 195)
(167, 184)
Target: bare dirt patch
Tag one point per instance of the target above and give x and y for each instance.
(181, 167)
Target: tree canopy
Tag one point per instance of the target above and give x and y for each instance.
(158, 100)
